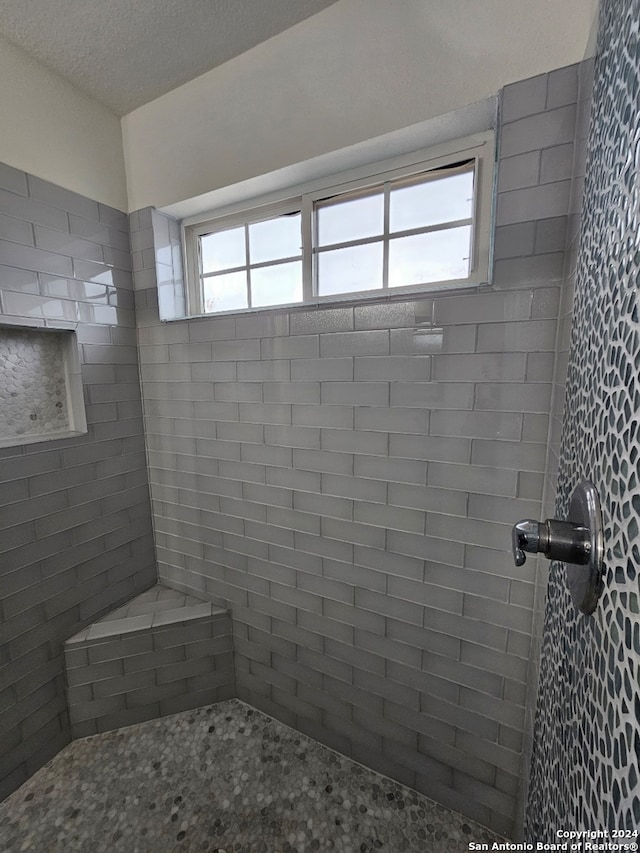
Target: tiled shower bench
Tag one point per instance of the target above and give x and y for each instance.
(161, 653)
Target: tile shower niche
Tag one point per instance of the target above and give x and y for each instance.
(40, 386)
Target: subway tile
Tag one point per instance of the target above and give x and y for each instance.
(483, 308)
(550, 237)
(332, 417)
(433, 500)
(355, 393)
(291, 392)
(13, 179)
(493, 481)
(277, 370)
(433, 448)
(390, 469)
(538, 131)
(67, 244)
(514, 241)
(502, 425)
(562, 87)
(359, 343)
(519, 171)
(113, 217)
(266, 454)
(393, 564)
(62, 198)
(29, 258)
(265, 413)
(323, 369)
(523, 456)
(262, 325)
(391, 368)
(556, 163)
(292, 436)
(397, 518)
(16, 230)
(524, 98)
(354, 441)
(355, 487)
(539, 367)
(22, 281)
(324, 461)
(299, 346)
(482, 367)
(531, 271)
(541, 202)
(319, 321)
(510, 397)
(392, 419)
(384, 315)
(425, 547)
(433, 395)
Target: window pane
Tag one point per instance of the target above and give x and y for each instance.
(340, 222)
(436, 256)
(431, 202)
(225, 292)
(276, 285)
(223, 250)
(354, 268)
(275, 238)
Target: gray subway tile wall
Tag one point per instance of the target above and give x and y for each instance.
(352, 474)
(75, 523)
(581, 82)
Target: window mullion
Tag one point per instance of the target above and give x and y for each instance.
(248, 262)
(307, 218)
(385, 237)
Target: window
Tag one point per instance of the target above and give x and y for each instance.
(400, 228)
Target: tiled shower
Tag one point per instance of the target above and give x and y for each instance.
(344, 480)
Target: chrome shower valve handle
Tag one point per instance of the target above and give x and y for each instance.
(578, 542)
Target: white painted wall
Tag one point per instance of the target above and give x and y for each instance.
(358, 69)
(55, 131)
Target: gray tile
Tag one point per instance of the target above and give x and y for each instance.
(538, 131)
(354, 441)
(538, 335)
(65, 199)
(390, 368)
(389, 470)
(355, 343)
(483, 308)
(321, 321)
(13, 179)
(323, 369)
(563, 86)
(488, 367)
(355, 393)
(16, 230)
(433, 395)
(299, 346)
(514, 241)
(384, 315)
(547, 200)
(29, 258)
(523, 170)
(524, 98)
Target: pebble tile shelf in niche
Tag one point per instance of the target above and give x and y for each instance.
(40, 387)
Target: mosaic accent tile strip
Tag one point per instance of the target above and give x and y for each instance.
(586, 763)
(33, 394)
(224, 779)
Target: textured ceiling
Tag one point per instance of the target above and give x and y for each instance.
(125, 53)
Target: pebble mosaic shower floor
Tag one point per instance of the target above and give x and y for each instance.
(223, 779)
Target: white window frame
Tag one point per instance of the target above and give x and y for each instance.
(479, 148)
